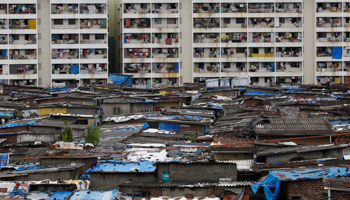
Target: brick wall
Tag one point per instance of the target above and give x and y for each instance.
(311, 190)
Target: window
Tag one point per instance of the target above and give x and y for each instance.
(99, 37)
(171, 21)
(322, 35)
(282, 20)
(240, 50)
(227, 20)
(158, 35)
(239, 20)
(158, 80)
(86, 37)
(58, 21)
(144, 5)
(71, 21)
(117, 110)
(172, 5)
(158, 21)
(157, 5)
(15, 37)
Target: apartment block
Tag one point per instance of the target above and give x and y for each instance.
(18, 42)
(332, 33)
(54, 43)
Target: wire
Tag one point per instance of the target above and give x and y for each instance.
(171, 148)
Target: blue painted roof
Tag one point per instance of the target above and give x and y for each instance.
(86, 194)
(122, 166)
(60, 195)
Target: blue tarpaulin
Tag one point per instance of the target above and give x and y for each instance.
(28, 167)
(145, 125)
(4, 53)
(337, 52)
(4, 114)
(274, 178)
(61, 88)
(3, 159)
(74, 69)
(86, 194)
(60, 195)
(120, 79)
(15, 124)
(176, 67)
(169, 127)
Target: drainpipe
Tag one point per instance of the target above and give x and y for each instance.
(329, 195)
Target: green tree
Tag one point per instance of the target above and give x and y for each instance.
(92, 135)
(67, 134)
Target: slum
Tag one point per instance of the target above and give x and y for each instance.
(219, 140)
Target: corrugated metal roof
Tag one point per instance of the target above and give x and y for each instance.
(295, 126)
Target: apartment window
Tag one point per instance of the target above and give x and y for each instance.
(240, 50)
(86, 37)
(172, 5)
(227, 20)
(71, 21)
(171, 21)
(39, 36)
(39, 21)
(158, 80)
(282, 20)
(157, 5)
(144, 5)
(116, 110)
(40, 66)
(322, 35)
(15, 37)
(158, 35)
(40, 81)
(58, 21)
(239, 20)
(129, 6)
(158, 21)
(99, 37)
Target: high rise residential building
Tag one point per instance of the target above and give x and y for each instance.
(169, 42)
(53, 43)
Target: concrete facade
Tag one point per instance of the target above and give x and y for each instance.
(53, 43)
(274, 41)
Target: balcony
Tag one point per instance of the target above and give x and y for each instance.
(206, 67)
(3, 54)
(233, 7)
(164, 82)
(4, 24)
(93, 54)
(65, 54)
(23, 54)
(346, 7)
(329, 7)
(136, 8)
(22, 9)
(288, 67)
(261, 67)
(260, 37)
(65, 39)
(93, 23)
(64, 9)
(93, 69)
(233, 23)
(329, 37)
(326, 22)
(329, 66)
(23, 69)
(93, 8)
(64, 68)
(206, 38)
(289, 37)
(165, 53)
(165, 68)
(164, 8)
(137, 68)
(3, 39)
(137, 53)
(206, 53)
(324, 52)
(137, 23)
(289, 52)
(206, 8)
(206, 23)
(261, 23)
(22, 24)
(141, 83)
(289, 23)
(234, 38)
(261, 8)
(3, 9)
(26, 82)
(165, 23)
(289, 8)
(234, 67)
(23, 39)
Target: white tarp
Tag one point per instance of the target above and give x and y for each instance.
(240, 81)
